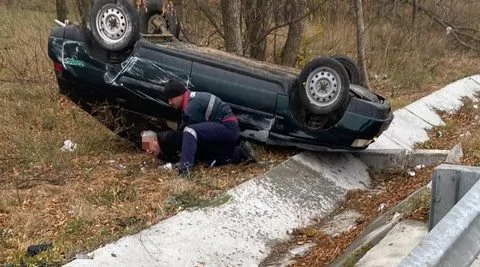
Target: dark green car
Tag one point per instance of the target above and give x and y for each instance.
(110, 70)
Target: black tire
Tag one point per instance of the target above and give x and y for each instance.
(123, 20)
(333, 79)
(364, 93)
(352, 69)
(172, 23)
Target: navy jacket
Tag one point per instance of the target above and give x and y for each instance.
(202, 107)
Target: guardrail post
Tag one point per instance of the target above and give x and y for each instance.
(449, 184)
(454, 238)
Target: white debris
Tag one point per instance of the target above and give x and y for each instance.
(475, 106)
(419, 167)
(143, 170)
(382, 207)
(110, 161)
(68, 145)
(121, 167)
(167, 166)
(411, 173)
(429, 186)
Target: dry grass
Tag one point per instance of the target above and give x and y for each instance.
(106, 188)
(403, 64)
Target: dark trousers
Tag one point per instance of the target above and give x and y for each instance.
(217, 139)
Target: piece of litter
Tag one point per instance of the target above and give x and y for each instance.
(121, 167)
(83, 256)
(382, 206)
(411, 173)
(419, 167)
(475, 106)
(68, 145)
(110, 161)
(167, 166)
(143, 170)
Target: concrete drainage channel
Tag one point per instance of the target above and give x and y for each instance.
(252, 218)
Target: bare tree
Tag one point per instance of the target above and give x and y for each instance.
(361, 41)
(61, 7)
(295, 31)
(257, 23)
(84, 8)
(231, 10)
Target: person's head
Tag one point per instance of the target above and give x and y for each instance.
(174, 91)
(150, 143)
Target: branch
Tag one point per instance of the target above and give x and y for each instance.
(209, 16)
(297, 19)
(454, 30)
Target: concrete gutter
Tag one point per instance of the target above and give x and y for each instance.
(379, 228)
(242, 231)
(412, 122)
(261, 211)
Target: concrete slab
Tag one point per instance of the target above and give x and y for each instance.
(396, 245)
(406, 133)
(426, 112)
(476, 78)
(385, 142)
(242, 231)
(466, 87)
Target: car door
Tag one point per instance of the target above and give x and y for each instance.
(144, 76)
(252, 97)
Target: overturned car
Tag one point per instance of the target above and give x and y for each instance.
(118, 76)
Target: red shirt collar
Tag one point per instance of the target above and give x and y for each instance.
(186, 97)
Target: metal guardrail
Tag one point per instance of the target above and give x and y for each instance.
(454, 235)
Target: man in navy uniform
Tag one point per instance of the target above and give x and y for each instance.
(206, 119)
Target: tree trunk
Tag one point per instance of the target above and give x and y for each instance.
(84, 7)
(61, 10)
(414, 12)
(361, 41)
(295, 32)
(256, 23)
(231, 25)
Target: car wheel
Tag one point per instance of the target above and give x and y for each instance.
(153, 22)
(352, 69)
(115, 24)
(324, 85)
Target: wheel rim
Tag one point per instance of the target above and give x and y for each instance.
(112, 24)
(323, 86)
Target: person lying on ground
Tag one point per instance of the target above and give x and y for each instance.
(166, 146)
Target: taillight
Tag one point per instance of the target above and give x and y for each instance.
(57, 67)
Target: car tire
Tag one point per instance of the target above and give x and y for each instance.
(170, 20)
(115, 24)
(352, 69)
(331, 76)
(363, 93)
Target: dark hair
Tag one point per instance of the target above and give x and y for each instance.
(174, 88)
(170, 142)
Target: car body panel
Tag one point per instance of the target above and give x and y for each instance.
(260, 93)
